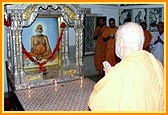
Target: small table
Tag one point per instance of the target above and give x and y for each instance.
(68, 96)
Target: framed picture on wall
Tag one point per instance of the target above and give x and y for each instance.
(155, 15)
(139, 15)
(124, 16)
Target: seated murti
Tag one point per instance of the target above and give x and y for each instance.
(40, 47)
(40, 52)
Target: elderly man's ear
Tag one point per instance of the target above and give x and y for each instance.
(121, 43)
(120, 48)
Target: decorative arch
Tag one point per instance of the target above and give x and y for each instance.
(69, 12)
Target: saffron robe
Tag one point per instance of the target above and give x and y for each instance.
(148, 38)
(110, 55)
(99, 55)
(134, 84)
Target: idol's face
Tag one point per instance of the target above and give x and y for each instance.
(39, 29)
(39, 32)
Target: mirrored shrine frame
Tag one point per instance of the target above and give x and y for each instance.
(23, 15)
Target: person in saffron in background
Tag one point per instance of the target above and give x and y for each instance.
(109, 39)
(99, 56)
(148, 37)
(136, 82)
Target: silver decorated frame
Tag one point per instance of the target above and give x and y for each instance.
(23, 15)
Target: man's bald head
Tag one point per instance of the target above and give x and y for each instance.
(129, 38)
(39, 29)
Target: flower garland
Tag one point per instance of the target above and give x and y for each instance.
(41, 65)
(7, 22)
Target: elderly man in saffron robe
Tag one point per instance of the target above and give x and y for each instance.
(136, 83)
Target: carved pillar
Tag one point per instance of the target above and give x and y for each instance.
(20, 54)
(79, 44)
(11, 37)
(65, 48)
(16, 30)
(14, 49)
(8, 47)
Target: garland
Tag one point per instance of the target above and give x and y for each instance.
(41, 65)
(7, 22)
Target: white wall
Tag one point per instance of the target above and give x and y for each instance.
(104, 10)
(108, 11)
